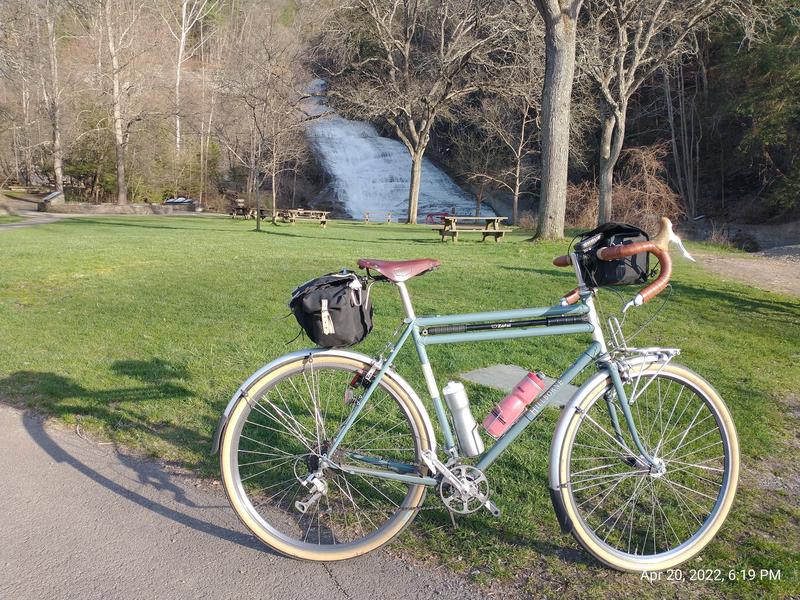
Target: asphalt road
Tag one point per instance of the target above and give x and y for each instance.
(80, 520)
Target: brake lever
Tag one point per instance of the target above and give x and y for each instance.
(673, 237)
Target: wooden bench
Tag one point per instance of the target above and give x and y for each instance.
(453, 225)
(382, 216)
(292, 215)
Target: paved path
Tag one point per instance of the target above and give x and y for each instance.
(79, 520)
(26, 210)
(32, 218)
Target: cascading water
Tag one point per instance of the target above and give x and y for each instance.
(367, 172)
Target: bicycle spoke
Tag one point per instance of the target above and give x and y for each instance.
(648, 511)
(283, 439)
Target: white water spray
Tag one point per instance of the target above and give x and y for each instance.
(370, 173)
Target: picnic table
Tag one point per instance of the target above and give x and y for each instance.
(487, 226)
(292, 215)
(239, 208)
(382, 216)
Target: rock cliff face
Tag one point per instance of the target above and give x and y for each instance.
(367, 172)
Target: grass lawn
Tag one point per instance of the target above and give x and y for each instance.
(6, 219)
(140, 329)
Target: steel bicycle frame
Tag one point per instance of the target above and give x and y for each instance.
(418, 327)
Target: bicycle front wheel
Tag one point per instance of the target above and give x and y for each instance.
(633, 516)
(273, 445)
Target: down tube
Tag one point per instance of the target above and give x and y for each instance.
(491, 455)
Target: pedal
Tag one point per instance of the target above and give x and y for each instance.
(492, 508)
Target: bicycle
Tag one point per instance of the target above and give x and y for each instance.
(328, 454)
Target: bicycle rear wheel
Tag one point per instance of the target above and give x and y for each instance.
(274, 441)
(634, 517)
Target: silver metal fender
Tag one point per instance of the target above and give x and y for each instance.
(561, 431)
(292, 356)
(563, 420)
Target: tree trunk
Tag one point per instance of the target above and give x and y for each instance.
(17, 168)
(519, 152)
(116, 100)
(606, 191)
(27, 152)
(606, 171)
(55, 108)
(416, 179)
(612, 138)
(178, 69)
(515, 205)
(479, 198)
(556, 98)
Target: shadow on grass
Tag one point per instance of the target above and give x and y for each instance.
(155, 225)
(56, 394)
(745, 304)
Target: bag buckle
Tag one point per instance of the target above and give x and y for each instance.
(327, 322)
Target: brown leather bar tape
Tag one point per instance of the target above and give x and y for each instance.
(562, 261)
(573, 296)
(621, 251)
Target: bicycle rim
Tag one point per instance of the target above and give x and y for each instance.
(274, 441)
(635, 517)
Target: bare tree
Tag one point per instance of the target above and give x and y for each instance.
(181, 18)
(507, 127)
(50, 14)
(20, 66)
(408, 61)
(626, 42)
(262, 84)
(685, 134)
(118, 21)
(560, 24)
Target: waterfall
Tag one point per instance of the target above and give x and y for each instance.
(368, 172)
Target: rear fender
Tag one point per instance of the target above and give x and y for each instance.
(320, 352)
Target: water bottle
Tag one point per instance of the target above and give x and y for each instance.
(505, 414)
(469, 438)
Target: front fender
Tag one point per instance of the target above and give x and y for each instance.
(601, 378)
(558, 439)
(292, 356)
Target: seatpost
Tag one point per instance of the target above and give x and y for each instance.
(406, 300)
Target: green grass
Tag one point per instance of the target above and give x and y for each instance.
(140, 329)
(6, 219)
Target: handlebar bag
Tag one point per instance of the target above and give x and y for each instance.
(630, 270)
(334, 310)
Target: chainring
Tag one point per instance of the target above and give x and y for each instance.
(472, 500)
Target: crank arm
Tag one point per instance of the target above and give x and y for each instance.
(437, 466)
(303, 505)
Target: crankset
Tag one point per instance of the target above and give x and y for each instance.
(471, 495)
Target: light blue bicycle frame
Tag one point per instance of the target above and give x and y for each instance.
(417, 327)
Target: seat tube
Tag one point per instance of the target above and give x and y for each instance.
(433, 392)
(427, 371)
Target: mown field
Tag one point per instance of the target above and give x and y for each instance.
(140, 329)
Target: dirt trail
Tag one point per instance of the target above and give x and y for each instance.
(775, 270)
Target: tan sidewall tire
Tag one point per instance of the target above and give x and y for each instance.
(280, 545)
(588, 541)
